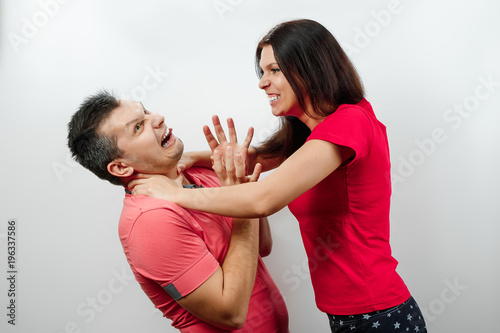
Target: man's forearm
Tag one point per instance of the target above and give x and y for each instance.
(240, 265)
(254, 157)
(223, 299)
(200, 158)
(265, 237)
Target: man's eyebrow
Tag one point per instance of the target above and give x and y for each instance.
(133, 122)
(137, 119)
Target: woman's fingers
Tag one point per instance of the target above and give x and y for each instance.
(249, 137)
(212, 142)
(256, 172)
(240, 168)
(231, 131)
(229, 162)
(221, 136)
(217, 166)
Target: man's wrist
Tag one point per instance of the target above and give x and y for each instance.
(200, 158)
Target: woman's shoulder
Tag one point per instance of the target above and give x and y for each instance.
(350, 114)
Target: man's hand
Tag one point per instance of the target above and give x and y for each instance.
(187, 161)
(221, 142)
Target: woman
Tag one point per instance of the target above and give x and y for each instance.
(333, 172)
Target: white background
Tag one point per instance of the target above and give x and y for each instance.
(431, 71)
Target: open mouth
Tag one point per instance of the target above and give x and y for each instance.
(166, 138)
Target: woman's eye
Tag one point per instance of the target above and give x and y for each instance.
(275, 70)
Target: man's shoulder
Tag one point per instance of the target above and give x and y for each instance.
(140, 204)
(141, 211)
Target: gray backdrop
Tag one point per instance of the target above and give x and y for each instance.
(431, 70)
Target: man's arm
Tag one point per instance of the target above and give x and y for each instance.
(223, 299)
(195, 158)
(265, 238)
(254, 157)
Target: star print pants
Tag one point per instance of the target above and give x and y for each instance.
(402, 318)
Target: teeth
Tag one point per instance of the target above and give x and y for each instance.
(167, 134)
(273, 98)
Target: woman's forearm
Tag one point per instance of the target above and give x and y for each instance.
(247, 200)
(300, 172)
(310, 164)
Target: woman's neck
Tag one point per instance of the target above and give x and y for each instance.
(310, 122)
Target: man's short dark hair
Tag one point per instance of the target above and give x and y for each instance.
(92, 149)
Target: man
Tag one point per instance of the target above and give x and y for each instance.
(203, 271)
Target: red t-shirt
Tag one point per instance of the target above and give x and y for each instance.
(344, 220)
(173, 250)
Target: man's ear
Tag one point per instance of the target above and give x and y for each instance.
(120, 169)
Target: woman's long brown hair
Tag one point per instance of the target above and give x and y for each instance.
(315, 65)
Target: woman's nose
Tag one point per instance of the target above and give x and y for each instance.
(264, 82)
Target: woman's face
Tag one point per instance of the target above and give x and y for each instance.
(282, 99)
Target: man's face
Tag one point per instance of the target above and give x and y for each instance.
(147, 144)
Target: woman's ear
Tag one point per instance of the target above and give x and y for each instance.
(120, 169)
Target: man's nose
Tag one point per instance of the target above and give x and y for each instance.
(157, 120)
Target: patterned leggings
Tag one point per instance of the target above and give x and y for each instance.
(402, 318)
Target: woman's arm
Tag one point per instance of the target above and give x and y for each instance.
(310, 164)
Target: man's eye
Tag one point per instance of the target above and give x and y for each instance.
(138, 126)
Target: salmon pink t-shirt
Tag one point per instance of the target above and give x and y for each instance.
(344, 220)
(172, 251)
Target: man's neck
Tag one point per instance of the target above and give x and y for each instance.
(172, 174)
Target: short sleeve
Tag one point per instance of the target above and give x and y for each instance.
(166, 249)
(349, 126)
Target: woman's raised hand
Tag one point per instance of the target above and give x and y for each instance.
(230, 168)
(221, 143)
